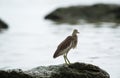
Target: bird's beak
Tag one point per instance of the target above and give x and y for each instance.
(78, 32)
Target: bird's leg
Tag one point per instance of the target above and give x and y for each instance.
(67, 58)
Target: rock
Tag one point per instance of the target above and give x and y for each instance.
(13, 74)
(75, 70)
(3, 25)
(53, 17)
(94, 13)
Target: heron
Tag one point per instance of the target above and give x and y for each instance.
(66, 45)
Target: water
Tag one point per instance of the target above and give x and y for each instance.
(31, 41)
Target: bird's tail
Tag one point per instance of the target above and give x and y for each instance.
(55, 55)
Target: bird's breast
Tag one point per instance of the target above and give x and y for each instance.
(74, 42)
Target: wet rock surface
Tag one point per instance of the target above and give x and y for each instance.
(92, 14)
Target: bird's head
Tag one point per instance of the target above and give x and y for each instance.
(75, 31)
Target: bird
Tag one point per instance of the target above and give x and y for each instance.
(66, 45)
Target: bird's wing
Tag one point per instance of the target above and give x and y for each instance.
(63, 45)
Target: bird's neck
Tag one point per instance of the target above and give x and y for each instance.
(73, 34)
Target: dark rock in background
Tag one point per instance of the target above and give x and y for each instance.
(3, 25)
(94, 13)
(75, 70)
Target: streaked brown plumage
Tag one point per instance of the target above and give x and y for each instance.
(64, 47)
